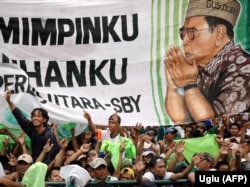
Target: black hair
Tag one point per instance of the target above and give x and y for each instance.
(215, 21)
(76, 162)
(154, 160)
(220, 163)
(196, 133)
(43, 112)
(234, 124)
(118, 118)
(50, 171)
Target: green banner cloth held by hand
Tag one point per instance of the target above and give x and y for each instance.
(206, 143)
(114, 149)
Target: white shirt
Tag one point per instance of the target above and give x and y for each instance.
(150, 176)
(106, 136)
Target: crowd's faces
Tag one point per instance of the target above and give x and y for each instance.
(204, 165)
(83, 162)
(159, 169)
(147, 158)
(68, 154)
(202, 47)
(170, 136)
(224, 167)
(22, 167)
(151, 134)
(234, 130)
(90, 171)
(125, 176)
(188, 132)
(91, 156)
(202, 131)
(216, 121)
(55, 176)
(87, 135)
(247, 124)
(38, 119)
(101, 173)
(112, 125)
(194, 125)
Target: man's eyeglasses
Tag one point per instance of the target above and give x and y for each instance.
(190, 32)
(151, 133)
(91, 154)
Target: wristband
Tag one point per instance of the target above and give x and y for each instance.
(182, 90)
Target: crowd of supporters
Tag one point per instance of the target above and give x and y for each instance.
(115, 152)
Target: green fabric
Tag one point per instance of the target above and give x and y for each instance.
(213, 130)
(142, 131)
(202, 144)
(160, 133)
(114, 149)
(35, 175)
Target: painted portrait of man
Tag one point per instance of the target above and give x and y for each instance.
(211, 76)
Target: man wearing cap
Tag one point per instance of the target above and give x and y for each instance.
(205, 163)
(24, 161)
(100, 170)
(168, 142)
(212, 77)
(201, 127)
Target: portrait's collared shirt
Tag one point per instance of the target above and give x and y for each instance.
(225, 80)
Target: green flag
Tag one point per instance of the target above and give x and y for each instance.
(114, 149)
(206, 143)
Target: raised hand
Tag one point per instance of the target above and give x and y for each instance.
(180, 147)
(85, 147)
(64, 143)
(47, 147)
(8, 94)
(12, 159)
(21, 138)
(86, 115)
(6, 142)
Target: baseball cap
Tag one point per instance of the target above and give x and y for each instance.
(82, 156)
(146, 153)
(170, 130)
(97, 162)
(26, 158)
(129, 171)
(202, 125)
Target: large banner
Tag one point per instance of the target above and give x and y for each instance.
(101, 56)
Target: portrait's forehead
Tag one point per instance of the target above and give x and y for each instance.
(194, 21)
